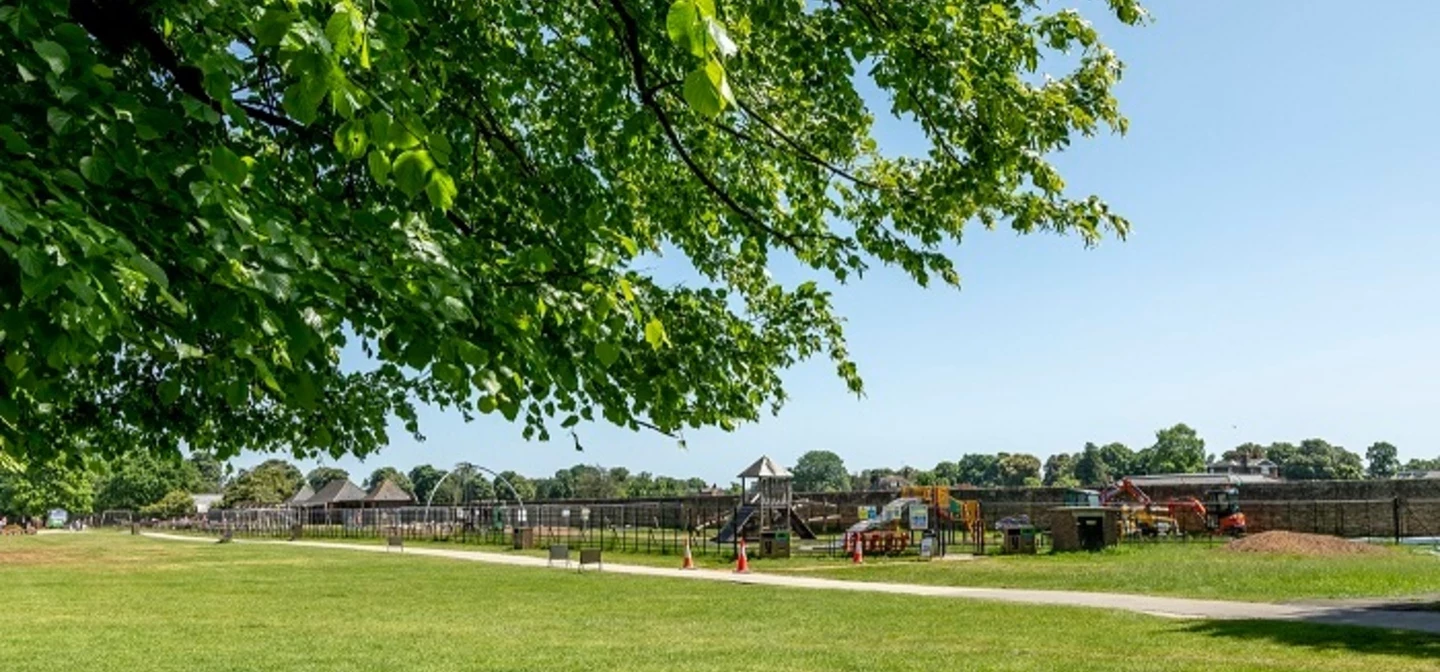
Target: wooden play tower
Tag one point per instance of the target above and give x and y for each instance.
(766, 512)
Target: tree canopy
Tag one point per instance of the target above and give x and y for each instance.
(390, 474)
(1177, 450)
(270, 483)
(317, 478)
(201, 203)
(820, 471)
(1382, 460)
(1317, 459)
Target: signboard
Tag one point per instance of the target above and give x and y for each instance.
(585, 515)
(863, 513)
(58, 518)
(919, 517)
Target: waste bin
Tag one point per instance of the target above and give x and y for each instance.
(775, 544)
(524, 538)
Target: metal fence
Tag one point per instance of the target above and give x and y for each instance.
(660, 527)
(664, 527)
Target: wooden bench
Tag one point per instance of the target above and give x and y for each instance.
(559, 552)
(591, 556)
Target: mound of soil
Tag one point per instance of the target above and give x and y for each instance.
(1297, 543)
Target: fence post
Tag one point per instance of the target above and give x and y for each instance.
(1395, 515)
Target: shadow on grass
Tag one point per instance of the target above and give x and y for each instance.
(1326, 637)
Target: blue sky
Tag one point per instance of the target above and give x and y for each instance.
(1280, 283)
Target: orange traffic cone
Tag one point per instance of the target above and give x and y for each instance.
(857, 550)
(689, 561)
(742, 563)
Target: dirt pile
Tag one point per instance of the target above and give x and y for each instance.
(1296, 543)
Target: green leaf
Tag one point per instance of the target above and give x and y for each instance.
(718, 37)
(441, 189)
(32, 263)
(272, 27)
(404, 9)
(702, 94)
(169, 391)
(607, 352)
(302, 99)
(680, 20)
(150, 270)
(486, 405)
(655, 333)
(229, 165)
(14, 142)
(96, 168)
(716, 73)
(341, 30)
(411, 168)
(455, 309)
(379, 166)
(351, 139)
(58, 119)
(472, 354)
(10, 412)
(55, 55)
(706, 7)
(400, 137)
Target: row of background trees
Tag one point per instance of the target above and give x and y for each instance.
(157, 486)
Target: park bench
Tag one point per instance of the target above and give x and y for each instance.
(591, 556)
(394, 541)
(559, 552)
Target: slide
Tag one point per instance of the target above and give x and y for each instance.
(800, 527)
(736, 524)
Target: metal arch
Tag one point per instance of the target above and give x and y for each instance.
(431, 499)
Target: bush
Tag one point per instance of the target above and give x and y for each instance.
(175, 504)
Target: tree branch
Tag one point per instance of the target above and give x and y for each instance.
(119, 26)
(628, 34)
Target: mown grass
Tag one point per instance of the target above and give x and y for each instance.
(1174, 569)
(114, 603)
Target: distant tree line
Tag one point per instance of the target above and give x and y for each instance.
(1176, 450)
(158, 486)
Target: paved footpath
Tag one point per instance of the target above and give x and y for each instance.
(1170, 607)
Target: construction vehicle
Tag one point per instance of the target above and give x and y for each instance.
(1221, 515)
(1142, 517)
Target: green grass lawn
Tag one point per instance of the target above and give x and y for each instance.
(1173, 569)
(108, 602)
(1198, 569)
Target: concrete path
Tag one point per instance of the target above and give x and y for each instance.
(1170, 607)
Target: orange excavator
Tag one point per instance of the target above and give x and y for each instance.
(1223, 514)
(1220, 512)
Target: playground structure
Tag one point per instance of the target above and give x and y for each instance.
(766, 513)
(928, 511)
